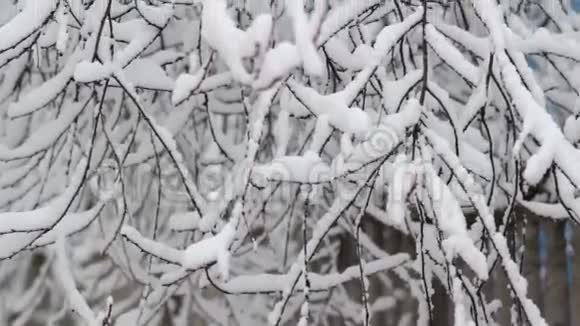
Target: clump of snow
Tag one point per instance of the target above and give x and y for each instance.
(338, 50)
(303, 35)
(347, 119)
(145, 73)
(156, 15)
(213, 249)
(341, 15)
(48, 91)
(233, 45)
(390, 34)
(278, 62)
(185, 85)
(308, 168)
(450, 54)
(88, 72)
(27, 22)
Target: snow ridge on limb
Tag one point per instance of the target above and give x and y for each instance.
(336, 106)
(27, 22)
(340, 116)
(32, 229)
(517, 282)
(71, 224)
(452, 222)
(341, 203)
(304, 32)
(42, 95)
(201, 254)
(232, 44)
(342, 15)
(45, 137)
(555, 147)
(390, 34)
(43, 217)
(452, 55)
(267, 283)
(74, 298)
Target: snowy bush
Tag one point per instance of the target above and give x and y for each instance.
(249, 162)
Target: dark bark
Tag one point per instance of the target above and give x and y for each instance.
(575, 290)
(556, 287)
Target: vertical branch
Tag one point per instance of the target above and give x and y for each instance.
(425, 53)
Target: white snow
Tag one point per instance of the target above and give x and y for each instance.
(62, 19)
(390, 34)
(340, 16)
(219, 117)
(282, 132)
(278, 62)
(62, 270)
(156, 15)
(347, 119)
(145, 73)
(186, 84)
(303, 36)
(34, 15)
(154, 248)
(338, 50)
(404, 176)
(48, 91)
(88, 72)
(46, 216)
(451, 55)
(220, 32)
(45, 136)
(309, 168)
(478, 201)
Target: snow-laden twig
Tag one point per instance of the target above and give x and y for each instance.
(517, 282)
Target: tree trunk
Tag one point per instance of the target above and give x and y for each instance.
(575, 291)
(556, 296)
(442, 307)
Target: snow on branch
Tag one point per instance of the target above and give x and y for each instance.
(283, 162)
(266, 283)
(517, 282)
(34, 15)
